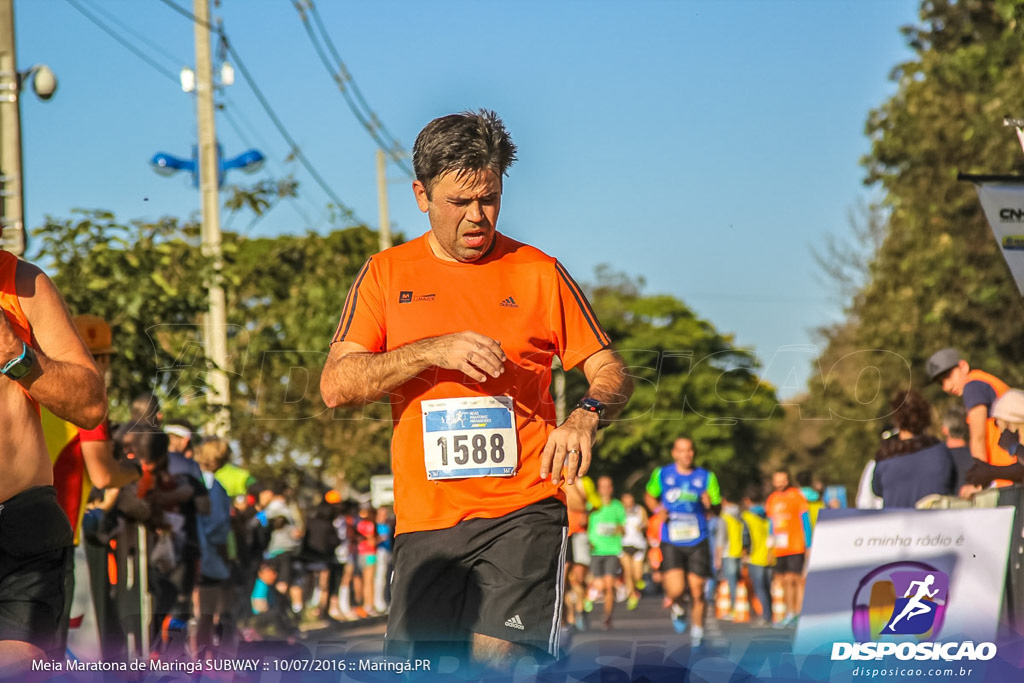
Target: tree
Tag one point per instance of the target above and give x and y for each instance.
(690, 380)
(938, 278)
(284, 296)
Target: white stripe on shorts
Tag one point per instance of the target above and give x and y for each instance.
(556, 622)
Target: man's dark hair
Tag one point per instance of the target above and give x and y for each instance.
(464, 143)
(955, 422)
(910, 413)
(755, 493)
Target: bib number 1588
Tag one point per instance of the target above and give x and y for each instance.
(478, 449)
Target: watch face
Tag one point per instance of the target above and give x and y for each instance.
(592, 405)
(20, 369)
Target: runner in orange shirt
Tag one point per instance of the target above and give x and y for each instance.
(459, 328)
(791, 536)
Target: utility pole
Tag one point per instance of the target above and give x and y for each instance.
(215, 341)
(382, 200)
(11, 196)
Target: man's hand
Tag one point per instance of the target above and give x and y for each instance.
(968, 490)
(474, 354)
(705, 500)
(569, 446)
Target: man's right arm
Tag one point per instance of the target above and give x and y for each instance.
(106, 471)
(353, 375)
(977, 424)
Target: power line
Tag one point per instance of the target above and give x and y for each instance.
(141, 37)
(131, 48)
(343, 78)
(345, 210)
(228, 114)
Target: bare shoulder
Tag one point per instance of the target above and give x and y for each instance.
(46, 311)
(33, 284)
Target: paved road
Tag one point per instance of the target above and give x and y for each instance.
(642, 645)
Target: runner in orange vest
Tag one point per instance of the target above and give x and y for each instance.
(979, 391)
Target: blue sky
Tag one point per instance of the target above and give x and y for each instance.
(705, 146)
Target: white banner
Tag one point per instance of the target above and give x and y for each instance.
(863, 561)
(1003, 203)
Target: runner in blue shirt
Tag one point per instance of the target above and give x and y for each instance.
(686, 493)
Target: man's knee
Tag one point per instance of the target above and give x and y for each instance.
(16, 657)
(496, 653)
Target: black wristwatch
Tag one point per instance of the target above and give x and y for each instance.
(592, 405)
(18, 368)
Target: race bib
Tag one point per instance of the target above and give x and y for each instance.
(469, 437)
(781, 540)
(685, 527)
(607, 529)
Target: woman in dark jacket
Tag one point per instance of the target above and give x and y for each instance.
(911, 463)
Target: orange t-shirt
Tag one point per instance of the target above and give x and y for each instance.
(996, 455)
(9, 301)
(11, 304)
(787, 511)
(517, 295)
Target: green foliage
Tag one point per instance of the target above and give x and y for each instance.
(146, 280)
(690, 380)
(284, 297)
(938, 278)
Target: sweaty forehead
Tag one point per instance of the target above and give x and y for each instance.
(469, 183)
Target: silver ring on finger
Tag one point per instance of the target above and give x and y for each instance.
(571, 451)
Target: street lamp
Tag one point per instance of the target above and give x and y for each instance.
(166, 164)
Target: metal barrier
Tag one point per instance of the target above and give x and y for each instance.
(1007, 496)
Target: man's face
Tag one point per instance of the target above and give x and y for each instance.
(177, 443)
(463, 212)
(605, 488)
(954, 380)
(682, 453)
(780, 481)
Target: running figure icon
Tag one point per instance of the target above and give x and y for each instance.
(915, 606)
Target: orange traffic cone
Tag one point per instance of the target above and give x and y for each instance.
(722, 600)
(742, 613)
(778, 602)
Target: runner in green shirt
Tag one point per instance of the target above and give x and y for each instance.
(605, 528)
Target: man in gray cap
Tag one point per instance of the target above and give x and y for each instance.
(979, 391)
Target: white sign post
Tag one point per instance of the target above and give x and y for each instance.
(1003, 202)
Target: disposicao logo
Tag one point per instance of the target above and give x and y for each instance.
(904, 599)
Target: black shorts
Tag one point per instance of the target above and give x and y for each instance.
(692, 559)
(790, 564)
(35, 568)
(498, 577)
(605, 565)
(577, 549)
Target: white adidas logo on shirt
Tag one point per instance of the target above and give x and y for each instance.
(515, 622)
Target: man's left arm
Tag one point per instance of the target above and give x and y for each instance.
(570, 445)
(64, 378)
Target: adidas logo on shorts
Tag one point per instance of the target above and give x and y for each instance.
(515, 622)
